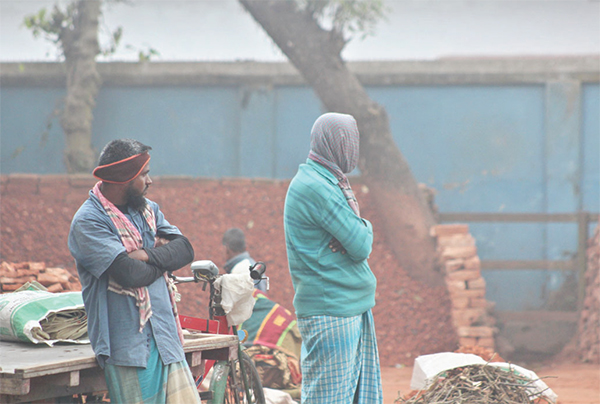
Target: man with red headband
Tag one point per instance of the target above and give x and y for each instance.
(124, 248)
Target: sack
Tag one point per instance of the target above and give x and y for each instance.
(236, 297)
(39, 316)
(277, 368)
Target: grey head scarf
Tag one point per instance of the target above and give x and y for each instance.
(334, 143)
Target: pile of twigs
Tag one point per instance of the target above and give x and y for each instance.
(477, 384)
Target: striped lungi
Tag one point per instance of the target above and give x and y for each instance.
(339, 360)
(156, 384)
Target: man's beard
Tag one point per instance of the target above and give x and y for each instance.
(135, 200)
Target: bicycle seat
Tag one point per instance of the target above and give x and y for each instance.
(205, 269)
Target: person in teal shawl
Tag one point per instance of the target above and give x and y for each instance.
(328, 244)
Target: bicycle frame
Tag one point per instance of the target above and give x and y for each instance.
(217, 324)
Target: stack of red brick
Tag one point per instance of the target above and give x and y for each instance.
(589, 322)
(457, 253)
(15, 275)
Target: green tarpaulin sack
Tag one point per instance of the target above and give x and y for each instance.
(39, 316)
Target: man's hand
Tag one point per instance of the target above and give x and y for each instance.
(159, 241)
(140, 255)
(336, 246)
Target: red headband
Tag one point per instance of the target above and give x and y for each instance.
(123, 171)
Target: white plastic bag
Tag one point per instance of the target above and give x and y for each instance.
(427, 367)
(236, 297)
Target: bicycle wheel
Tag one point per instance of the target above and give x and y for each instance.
(233, 389)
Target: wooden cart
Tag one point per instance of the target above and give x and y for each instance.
(31, 372)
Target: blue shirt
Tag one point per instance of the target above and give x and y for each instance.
(113, 319)
(326, 283)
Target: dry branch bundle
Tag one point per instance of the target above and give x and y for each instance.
(477, 384)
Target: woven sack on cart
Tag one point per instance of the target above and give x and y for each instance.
(277, 368)
(31, 314)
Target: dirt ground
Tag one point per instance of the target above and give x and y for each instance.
(574, 383)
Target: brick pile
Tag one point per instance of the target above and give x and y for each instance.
(461, 266)
(589, 321)
(15, 275)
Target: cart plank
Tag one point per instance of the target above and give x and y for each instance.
(205, 342)
(56, 370)
(30, 360)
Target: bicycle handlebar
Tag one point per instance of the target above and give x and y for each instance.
(257, 270)
(183, 279)
(206, 271)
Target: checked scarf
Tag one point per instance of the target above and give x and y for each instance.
(334, 143)
(132, 240)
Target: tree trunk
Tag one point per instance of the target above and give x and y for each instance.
(80, 47)
(316, 54)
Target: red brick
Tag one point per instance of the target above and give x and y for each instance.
(76, 285)
(448, 229)
(455, 286)
(456, 240)
(464, 275)
(476, 332)
(486, 342)
(58, 271)
(467, 317)
(473, 263)
(460, 303)
(7, 269)
(26, 272)
(478, 302)
(476, 284)
(453, 265)
(10, 287)
(467, 341)
(48, 279)
(459, 252)
(471, 293)
(55, 288)
(37, 266)
(19, 279)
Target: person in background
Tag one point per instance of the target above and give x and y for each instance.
(328, 244)
(124, 247)
(239, 260)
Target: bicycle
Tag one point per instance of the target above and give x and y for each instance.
(233, 380)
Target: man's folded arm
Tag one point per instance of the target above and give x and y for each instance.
(133, 273)
(177, 253)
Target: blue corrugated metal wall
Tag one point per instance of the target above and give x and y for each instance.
(484, 148)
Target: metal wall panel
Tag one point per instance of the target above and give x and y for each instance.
(510, 147)
(31, 139)
(194, 131)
